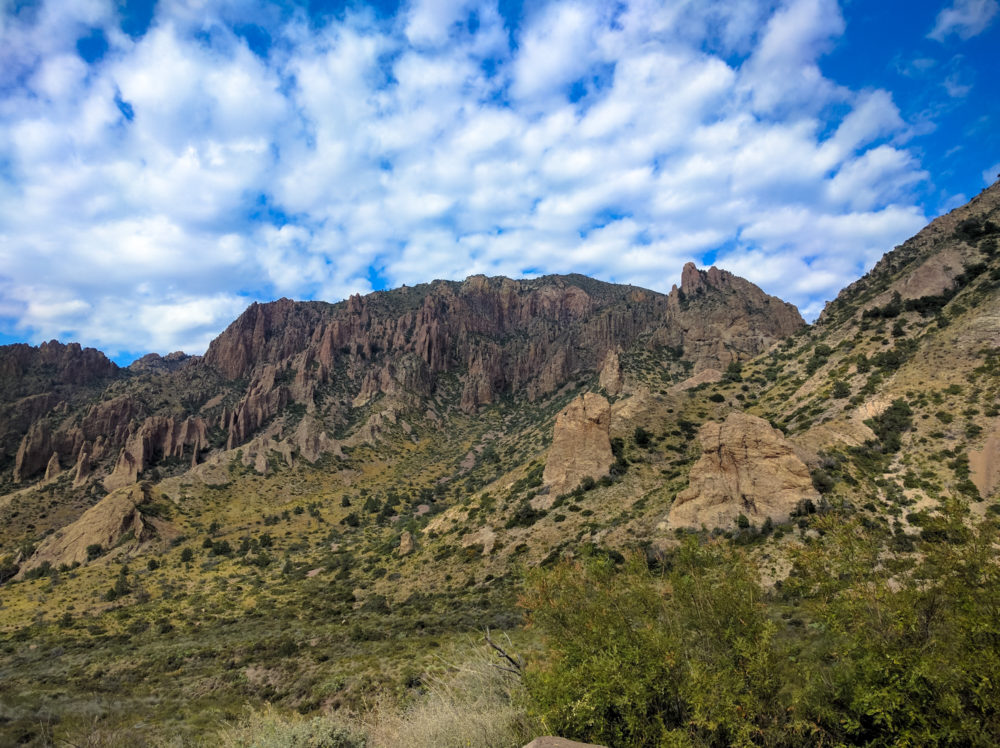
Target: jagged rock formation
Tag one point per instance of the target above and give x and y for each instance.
(494, 335)
(723, 318)
(158, 437)
(406, 544)
(154, 363)
(581, 445)
(746, 467)
(116, 519)
(27, 370)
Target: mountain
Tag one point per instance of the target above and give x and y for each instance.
(328, 499)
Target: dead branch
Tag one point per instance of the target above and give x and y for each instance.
(515, 663)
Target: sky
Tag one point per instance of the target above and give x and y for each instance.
(165, 164)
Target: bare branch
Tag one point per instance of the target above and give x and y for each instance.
(516, 663)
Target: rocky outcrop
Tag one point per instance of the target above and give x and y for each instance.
(746, 467)
(312, 441)
(925, 264)
(498, 335)
(53, 468)
(264, 399)
(581, 445)
(27, 370)
(106, 422)
(984, 463)
(154, 363)
(117, 520)
(157, 438)
(548, 741)
(265, 333)
(705, 376)
(82, 470)
(406, 544)
(610, 377)
(34, 452)
(719, 318)
(495, 336)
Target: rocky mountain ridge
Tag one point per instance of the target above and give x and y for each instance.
(496, 335)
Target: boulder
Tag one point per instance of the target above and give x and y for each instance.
(116, 520)
(581, 445)
(746, 467)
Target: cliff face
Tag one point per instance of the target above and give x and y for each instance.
(747, 468)
(493, 336)
(722, 318)
(498, 335)
(38, 381)
(581, 444)
(27, 370)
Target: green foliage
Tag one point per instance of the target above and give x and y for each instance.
(642, 437)
(905, 659)
(891, 424)
(840, 389)
(872, 652)
(524, 515)
(636, 660)
(733, 372)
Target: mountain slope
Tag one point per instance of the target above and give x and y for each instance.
(339, 492)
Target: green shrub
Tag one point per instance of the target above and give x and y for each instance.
(633, 661)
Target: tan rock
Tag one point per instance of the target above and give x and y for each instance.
(553, 742)
(406, 544)
(611, 373)
(157, 436)
(702, 377)
(581, 445)
(484, 536)
(747, 467)
(116, 519)
(53, 468)
(984, 463)
(82, 469)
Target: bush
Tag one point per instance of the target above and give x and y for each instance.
(631, 664)
(269, 729)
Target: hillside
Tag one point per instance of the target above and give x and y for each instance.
(318, 510)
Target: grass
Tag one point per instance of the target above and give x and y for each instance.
(473, 704)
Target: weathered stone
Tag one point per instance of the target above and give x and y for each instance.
(53, 468)
(581, 445)
(157, 437)
(406, 544)
(611, 373)
(553, 742)
(116, 519)
(747, 467)
(984, 463)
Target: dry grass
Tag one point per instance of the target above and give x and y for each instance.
(475, 706)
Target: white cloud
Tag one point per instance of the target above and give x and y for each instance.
(153, 194)
(964, 18)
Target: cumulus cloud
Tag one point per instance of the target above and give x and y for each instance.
(964, 18)
(149, 194)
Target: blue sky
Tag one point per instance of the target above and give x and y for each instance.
(163, 165)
